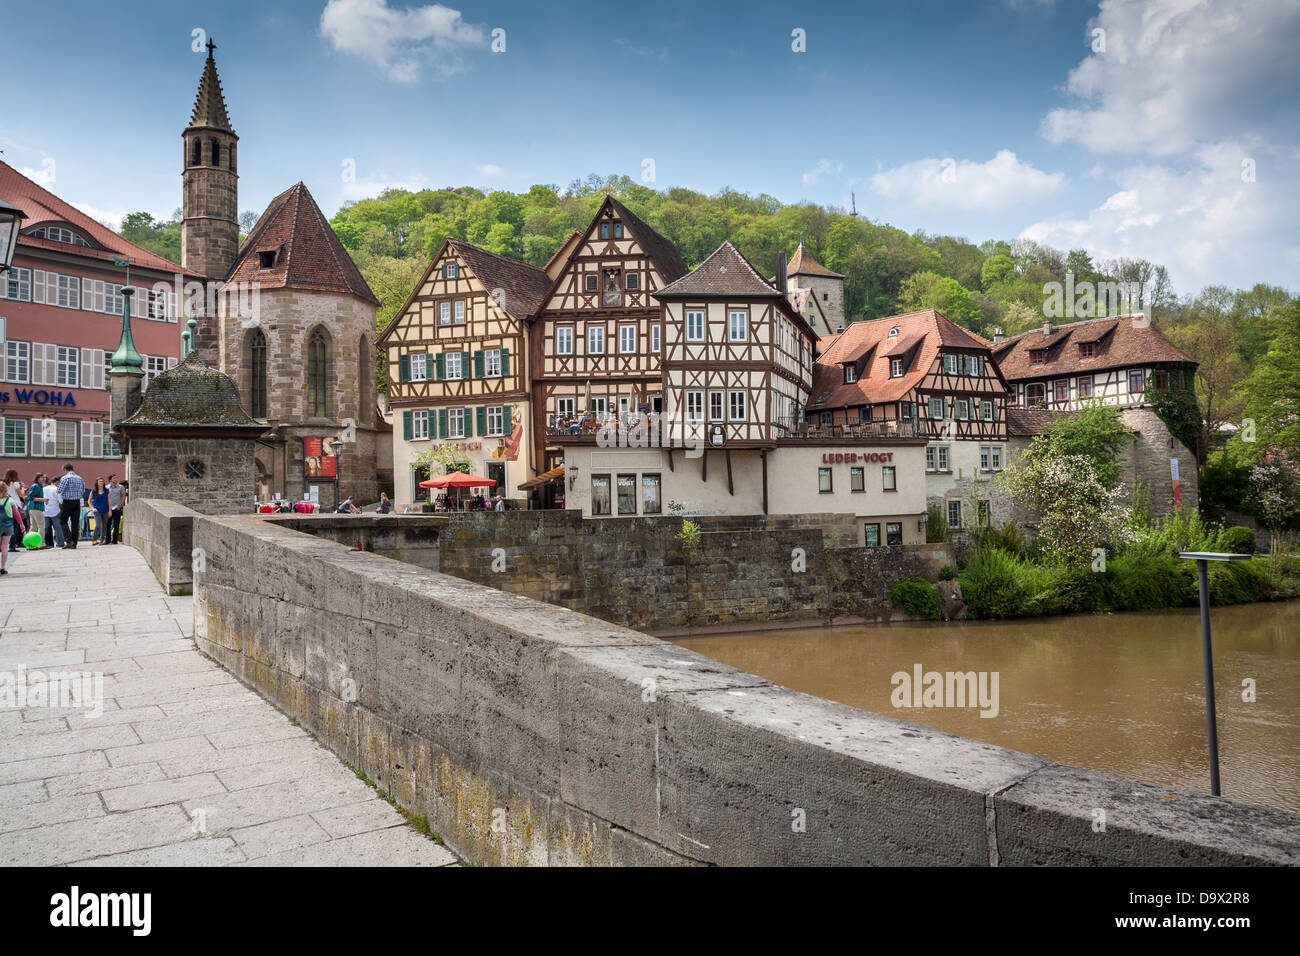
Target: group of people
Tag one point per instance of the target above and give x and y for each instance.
(477, 503)
(54, 509)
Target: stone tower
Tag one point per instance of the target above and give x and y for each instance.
(805, 272)
(210, 203)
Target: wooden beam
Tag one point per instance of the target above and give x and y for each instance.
(731, 488)
(763, 456)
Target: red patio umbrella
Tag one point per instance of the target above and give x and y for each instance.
(458, 480)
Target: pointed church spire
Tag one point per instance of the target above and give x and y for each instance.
(210, 104)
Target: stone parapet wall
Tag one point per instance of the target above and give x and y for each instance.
(529, 734)
(162, 531)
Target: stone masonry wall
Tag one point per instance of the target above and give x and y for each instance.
(156, 469)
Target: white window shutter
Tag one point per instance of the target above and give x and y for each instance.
(171, 361)
(84, 378)
(100, 303)
(38, 285)
(74, 292)
(38, 364)
(96, 430)
(96, 379)
(38, 444)
(172, 314)
(51, 364)
(88, 300)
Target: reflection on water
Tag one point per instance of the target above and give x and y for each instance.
(1119, 693)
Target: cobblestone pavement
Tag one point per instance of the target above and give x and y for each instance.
(185, 765)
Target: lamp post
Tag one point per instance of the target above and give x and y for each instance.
(11, 220)
(334, 446)
(1203, 559)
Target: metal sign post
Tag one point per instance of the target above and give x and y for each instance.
(1203, 559)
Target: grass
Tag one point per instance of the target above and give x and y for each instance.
(415, 821)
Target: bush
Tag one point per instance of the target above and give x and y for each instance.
(1236, 582)
(936, 525)
(1238, 539)
(1136, 581)
(1006, 537)
(995, 584)
(946, 573)
(916, 596)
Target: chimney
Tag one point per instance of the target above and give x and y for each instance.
(1047, 329)
(997, 335)
(780, 272)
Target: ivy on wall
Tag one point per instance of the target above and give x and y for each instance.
(1177, 408)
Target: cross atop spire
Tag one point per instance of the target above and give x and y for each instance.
(212, 45)
(210, 104)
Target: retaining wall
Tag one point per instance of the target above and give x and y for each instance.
(530, 734)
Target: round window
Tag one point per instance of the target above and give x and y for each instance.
(194, 469)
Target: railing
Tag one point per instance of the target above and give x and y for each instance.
(786, 428)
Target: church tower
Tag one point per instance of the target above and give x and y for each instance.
(210, 207)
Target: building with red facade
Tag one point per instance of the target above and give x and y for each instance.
(60, 320)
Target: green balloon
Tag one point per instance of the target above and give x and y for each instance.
(32, 540)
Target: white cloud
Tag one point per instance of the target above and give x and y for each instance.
(372, 186)
(1205, 223)
(400, 42)
(489, 170)
(43, 176)
(824, 167)
(1002, 181)
(110, 218)
(1175, 74)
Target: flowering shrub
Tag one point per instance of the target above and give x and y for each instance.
(1076, 513)
(1275, 482)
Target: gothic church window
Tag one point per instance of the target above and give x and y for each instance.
(257, 374)
(317, 366)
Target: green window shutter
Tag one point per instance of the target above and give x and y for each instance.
(406, 425)
(505, 419)
(478, 364)
(441, 370)
(505, 361)
(469, 422)
(481, 415)
(465, 358)
(442, 423)
(433, 423)
(404, 365)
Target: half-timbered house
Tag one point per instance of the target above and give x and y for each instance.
(598, 338)
(458, 367)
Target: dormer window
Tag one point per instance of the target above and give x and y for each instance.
(896, 368)
(850, 373)
(618, 230)
(266, 260)
(604, 230)
(1037, 356)
(1087, 349)
(59, 234)
(893, 333)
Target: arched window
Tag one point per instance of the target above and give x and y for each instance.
(257, 374)
(317, 368)
(231, 150)
(196, 152)
(216, 152)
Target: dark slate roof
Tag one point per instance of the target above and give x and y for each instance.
(804, 264)
(308, 255)
(210, 103)
(662, 253)
(1122, 341)
(726, 272)
(1027, 422)
(192, 395)
(525, 287)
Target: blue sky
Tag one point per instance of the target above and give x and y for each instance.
(1172, 134)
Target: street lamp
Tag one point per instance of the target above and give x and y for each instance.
(1203, 559)
(333, 445)
(11, 220)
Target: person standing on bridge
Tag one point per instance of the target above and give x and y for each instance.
(71, 489)
(11, 523)
(116, 500)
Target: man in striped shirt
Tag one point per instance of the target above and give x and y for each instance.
(71, 490)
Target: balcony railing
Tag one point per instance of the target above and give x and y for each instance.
(787, 428)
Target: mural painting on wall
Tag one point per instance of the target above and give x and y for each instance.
(508, 448)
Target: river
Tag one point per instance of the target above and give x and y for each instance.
(1119, 693)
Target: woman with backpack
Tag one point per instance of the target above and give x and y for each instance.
(11, 523)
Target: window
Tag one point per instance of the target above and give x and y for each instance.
(929, 458)
(655, 342)
(850, 373)
(954, 514)
(153, 305)
(444, 313)
(450, 270)
(460, 311)
(827, 419)
(591, 282)
(154, 365)
(857, 479)
(111, 448)
(419, 425)
(18, 284)
(596, 340)
(984, 457)
(895, 368)
(963, 409)
(633, 280)
(68, 359)
(599, 405)
(975, 365)
(604, 230)
(266, 260)
(824, 481)
(257, 373)
(715, 406)
(564, 407)
(451, 365)
(908, 410)
(69, 292)
(195, 469)
(18, 365)
(600, 494)
(1161, 380)
(65, 440)
(455, 423)
(15, 437)
(995, 457)
(1085, 386)
(1087, 349)
(650, 499)
(1037, 356)
(317, 370)
(694, 326)
(613, 287)
(894, 533)
(1136, 380)
(196, 153)
(695, 406)
(564, 340)
(986, 411)
(1061, 390)
(59, 234)
(627, 494)
(943, 457)
(1035, 395)
(937, 408)
(618, 230)
(950, 364)
(492, 363)
(496, 420)
(871, 535)
(737, 406)
(982, 513)
(113, 300)
(419, 366)
(738, 326)
(627, 338)
(889, 478)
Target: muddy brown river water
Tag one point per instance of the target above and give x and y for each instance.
(1119, 693)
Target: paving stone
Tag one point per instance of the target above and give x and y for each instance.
(358, 818)
(218, 851)
(58, 810)
(160, 792)
(278, 836)
(93, 781)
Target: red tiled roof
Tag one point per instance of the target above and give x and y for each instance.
(1120, 342)
(869, 345)
(567, 239)
(308, 253)
(42, 206)
(726, 272)
(804, 264)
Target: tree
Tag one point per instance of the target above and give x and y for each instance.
(1095, 433)
(929, 290)
(1075, 512)
(1271, 393)
(1208, 332)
